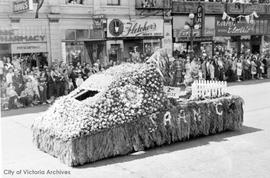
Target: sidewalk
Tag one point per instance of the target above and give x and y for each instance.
(27, 110)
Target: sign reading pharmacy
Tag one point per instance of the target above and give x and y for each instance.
(12, 36)
(230, 28)
(135, 27)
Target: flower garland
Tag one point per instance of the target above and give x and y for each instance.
(249, 18)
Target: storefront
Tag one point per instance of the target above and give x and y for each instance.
(84, 46)
(202, 37)
(243, 35)
(27, 43)
(266, 45)
(125, 36)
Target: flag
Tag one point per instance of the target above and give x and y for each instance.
(39, 5)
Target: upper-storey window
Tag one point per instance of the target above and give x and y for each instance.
(113, 2)
(74, 1)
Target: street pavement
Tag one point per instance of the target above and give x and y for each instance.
(239, 154)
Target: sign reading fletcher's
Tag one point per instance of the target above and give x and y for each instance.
(230, 28)
(135, 27)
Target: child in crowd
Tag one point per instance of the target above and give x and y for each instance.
(79, 80)
(13, 97)
(70, 85)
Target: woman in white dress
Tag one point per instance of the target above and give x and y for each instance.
(239, 68)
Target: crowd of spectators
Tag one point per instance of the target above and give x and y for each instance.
(229, 68)
(23, 86)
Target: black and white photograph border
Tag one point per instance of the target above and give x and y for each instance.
(135, 88)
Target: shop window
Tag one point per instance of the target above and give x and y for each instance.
(148, 3)
(82, 34)
(70, 35)
(86, 94)
(113, 2)
(74, 1)
(75, 52)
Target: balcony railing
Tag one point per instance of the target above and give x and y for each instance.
(186, 7)
(153, 4)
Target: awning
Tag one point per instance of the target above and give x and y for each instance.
(21, 48)
(195, 39)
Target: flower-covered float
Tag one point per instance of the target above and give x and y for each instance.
(125, 109)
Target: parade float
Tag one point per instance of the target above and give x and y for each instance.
(126, 109)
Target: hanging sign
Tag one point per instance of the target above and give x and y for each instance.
(135, 27)
(231, 28)
(200, 19)
(22, 6)
(28, 48)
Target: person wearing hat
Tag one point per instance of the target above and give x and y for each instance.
(27, 95)
(177, 71)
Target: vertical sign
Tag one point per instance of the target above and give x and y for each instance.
(200, 16)
(167, 40)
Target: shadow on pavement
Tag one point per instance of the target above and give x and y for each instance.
(28, 110)
(196, 142)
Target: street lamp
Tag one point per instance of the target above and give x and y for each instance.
(191, 25)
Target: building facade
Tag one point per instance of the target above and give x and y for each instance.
(239, 27)
(82, 31)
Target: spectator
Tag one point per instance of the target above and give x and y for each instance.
(43, 87)
(253, 68)
(17, 81)
(212, 70)
(1, 69)
(268, 66)
(13, 97)
(8, 64)
(70, 85)
(56, 79)
(16, 63)
(9, 75)
(177, 70)
(239, 69)
(27, 95)
(79, 80)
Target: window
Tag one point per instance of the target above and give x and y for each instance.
(74, 1)
(70, 35)
(113, 2)
(85, 94)
(82, 34)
